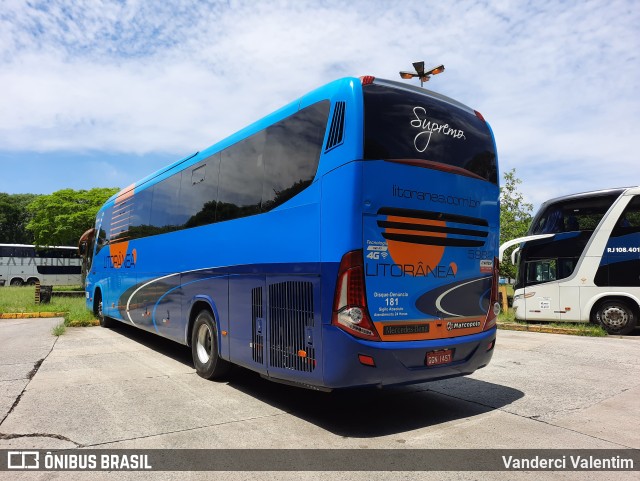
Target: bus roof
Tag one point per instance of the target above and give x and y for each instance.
(584, 195)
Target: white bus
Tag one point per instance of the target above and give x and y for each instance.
(580, 261)
(26, 264)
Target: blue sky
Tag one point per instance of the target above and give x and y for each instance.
(102, 93)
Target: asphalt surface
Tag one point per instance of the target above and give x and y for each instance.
(123, 388)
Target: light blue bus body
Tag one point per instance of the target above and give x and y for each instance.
(358, 271)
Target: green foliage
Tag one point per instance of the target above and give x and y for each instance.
(61, 218)
(77, 314)
(515, 217)
(508, 321)
(14, 217)
(59, 330)
(22, 299)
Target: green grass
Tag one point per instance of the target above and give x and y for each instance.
(581, 329)
(577, 328)
(59, 330)
(22, 299)
(507, 316)
(68, 288)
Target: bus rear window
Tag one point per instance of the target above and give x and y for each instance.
(407, 124)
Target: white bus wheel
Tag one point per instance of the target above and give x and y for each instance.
(616, 317)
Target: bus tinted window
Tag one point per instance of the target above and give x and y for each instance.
(139, 215)
(199, 192)
(402, 124)
(249, 177)
(167, 214)
(104, 229)
(241, 176)
(572, 215)
(292, 152)
(629, 221)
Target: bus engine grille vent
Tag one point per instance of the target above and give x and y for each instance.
(336, 131)
(290, 320)
(432, 228)
(257, 324)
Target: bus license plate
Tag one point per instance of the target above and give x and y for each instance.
(436, 358)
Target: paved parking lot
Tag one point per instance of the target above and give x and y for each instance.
(123, 388)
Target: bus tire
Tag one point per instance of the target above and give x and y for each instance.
(16, 282)
(616, 317)
(104, 320)
(204, 348)
(32, 281)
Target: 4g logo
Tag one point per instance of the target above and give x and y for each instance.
(375, 255)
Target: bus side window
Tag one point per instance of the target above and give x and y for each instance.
(241, 176)
(629, 220)
(541, 271)
(292, 152)
(167, 215)
(102, 237)
(199, 192)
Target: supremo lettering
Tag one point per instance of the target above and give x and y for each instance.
(428, 127)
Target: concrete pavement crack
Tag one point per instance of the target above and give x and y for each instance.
(37, 435)
(30, 376)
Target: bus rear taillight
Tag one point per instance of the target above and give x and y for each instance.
(350, 311)
(494, 304)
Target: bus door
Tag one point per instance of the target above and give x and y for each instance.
(569, 303)
(541, 292)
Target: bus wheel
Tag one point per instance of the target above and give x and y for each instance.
(204, 348)
(16, 282)
(32, 281)
(616, 317)
(104, 321)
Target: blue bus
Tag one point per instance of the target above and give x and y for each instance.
(348, 239)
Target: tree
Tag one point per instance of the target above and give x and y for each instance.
(14, 217)
(515, 217)
(61, 218)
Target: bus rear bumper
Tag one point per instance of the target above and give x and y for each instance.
(400, 362)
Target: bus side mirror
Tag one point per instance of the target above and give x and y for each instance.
(82, 248)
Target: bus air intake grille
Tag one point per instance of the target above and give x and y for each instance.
(290, 316)
(336, 131)
(257, 323)
(432, 228)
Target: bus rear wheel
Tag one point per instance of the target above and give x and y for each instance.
(16, 282)
(616, 317)
(204, 348)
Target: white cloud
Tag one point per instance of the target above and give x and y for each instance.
(557, 81)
